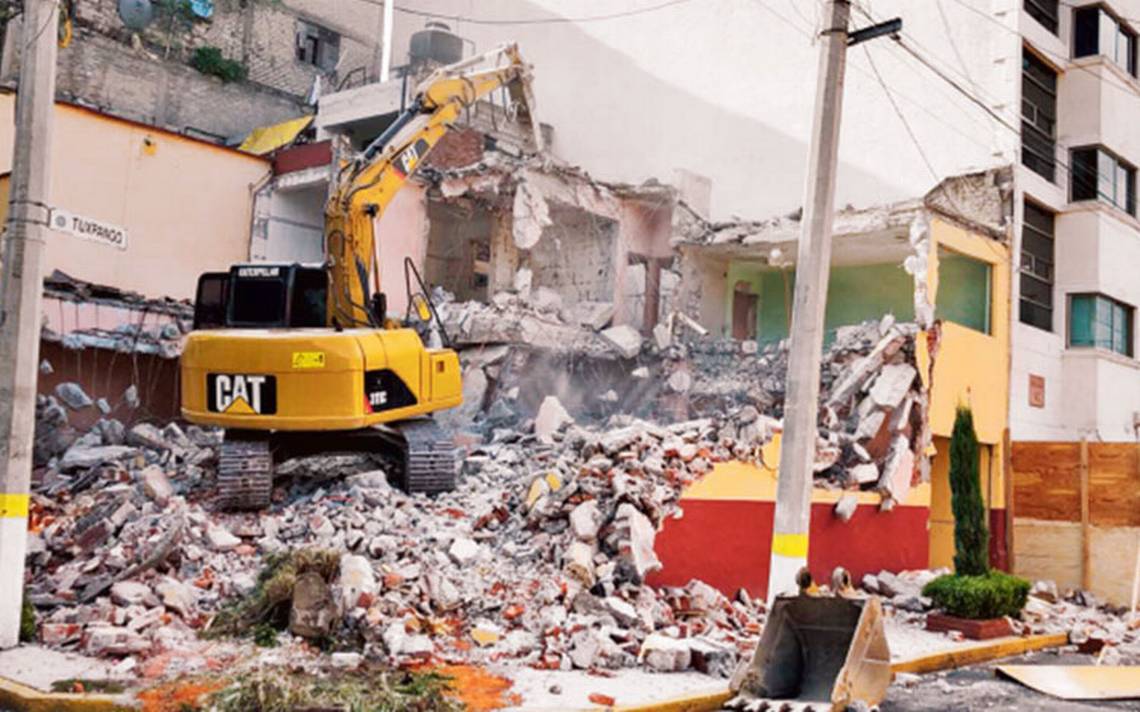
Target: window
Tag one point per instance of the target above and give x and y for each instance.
(1044, 11)
(1096, 31)
(1100, 175)
(1036, 308)
(258, 302)
(317, 46)
(1100, 322)
(1038, 116)
(964, 291)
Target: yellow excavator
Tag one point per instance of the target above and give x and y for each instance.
(294, 359)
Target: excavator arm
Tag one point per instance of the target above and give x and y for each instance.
(366, 186)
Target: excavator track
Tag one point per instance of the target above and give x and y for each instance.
(429, 456)
(245, 472)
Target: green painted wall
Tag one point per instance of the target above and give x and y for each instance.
(964, 291)
(855, 294)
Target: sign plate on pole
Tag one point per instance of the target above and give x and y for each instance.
(88, 229)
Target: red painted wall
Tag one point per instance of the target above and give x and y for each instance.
(727, 543)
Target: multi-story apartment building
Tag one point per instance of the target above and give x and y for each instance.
(1074, 372)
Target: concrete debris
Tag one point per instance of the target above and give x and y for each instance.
(539, 556)
(73, 396)
(845, 507)
(551, 417)
(624, 339)
(591, 315)
(531, 216)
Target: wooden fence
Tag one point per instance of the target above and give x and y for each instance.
(1076, 514)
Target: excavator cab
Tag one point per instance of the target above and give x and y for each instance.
(262, 296)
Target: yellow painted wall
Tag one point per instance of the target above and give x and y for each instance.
(186, 204)
(970, 368)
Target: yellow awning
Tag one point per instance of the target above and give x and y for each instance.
(266, 139)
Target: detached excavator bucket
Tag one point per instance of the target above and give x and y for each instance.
(818, 653)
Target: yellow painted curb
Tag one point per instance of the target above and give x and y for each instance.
(947, 660)
(21, 698)
(980, 653)
(708, 702)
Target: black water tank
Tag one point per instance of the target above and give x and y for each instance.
(436, 43)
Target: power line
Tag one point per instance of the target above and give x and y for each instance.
(920, 105)
(1063, 61)
(1016, 131)
(899, 113)
(536, 21)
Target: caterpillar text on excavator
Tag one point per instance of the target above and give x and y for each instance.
(296, 359)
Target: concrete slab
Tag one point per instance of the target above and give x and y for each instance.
(38, 667)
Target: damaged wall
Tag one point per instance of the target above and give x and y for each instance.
(575, 256)
(174, 196)
(458, 255)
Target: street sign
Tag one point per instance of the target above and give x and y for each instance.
(88, 229)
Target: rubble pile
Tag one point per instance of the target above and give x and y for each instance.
(873, 422)
(540, 556)
(1108, 632)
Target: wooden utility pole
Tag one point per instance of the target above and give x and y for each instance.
(801, 409)
(21, 296)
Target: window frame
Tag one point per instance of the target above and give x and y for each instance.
(1121, 29)
(1032, 128)
(1128, 312)
(1119, 167)
(1039, 11)
(313, 45)
(1033, 274)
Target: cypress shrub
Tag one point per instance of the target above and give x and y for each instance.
(971, 538)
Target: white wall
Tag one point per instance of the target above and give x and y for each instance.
(296, 233)
(725, 88)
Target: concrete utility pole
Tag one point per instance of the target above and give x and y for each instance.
(21, 298)
(386, 34)
(813, 266)
(813, 262)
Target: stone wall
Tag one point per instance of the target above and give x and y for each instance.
(146, 76)
(97, 71)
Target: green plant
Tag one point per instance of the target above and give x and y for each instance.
(990, 595)
(175, 19)
(209, 60)
(27, 621)
(278, 690)
(269, 602)
(971, 538)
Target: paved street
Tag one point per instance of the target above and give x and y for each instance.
(979, 688)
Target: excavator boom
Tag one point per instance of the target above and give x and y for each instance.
(367, 185)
